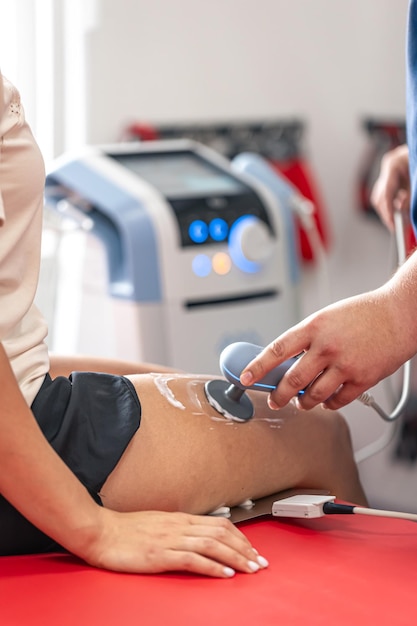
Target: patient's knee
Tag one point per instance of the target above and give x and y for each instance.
(341, 430)
(335, 442)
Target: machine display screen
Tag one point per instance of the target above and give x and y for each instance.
(181, 174)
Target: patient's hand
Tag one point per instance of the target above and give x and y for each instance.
(152, 541)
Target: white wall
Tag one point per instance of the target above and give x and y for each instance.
(328, 62)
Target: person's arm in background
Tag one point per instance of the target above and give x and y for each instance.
(348, 346)
(391, 191)
(38, 483)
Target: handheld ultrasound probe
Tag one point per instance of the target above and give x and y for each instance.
(228, 396)
(229, 399)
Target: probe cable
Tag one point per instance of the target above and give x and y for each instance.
(333, 508)
(366, 398)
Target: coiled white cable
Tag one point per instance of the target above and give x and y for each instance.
(366, 398)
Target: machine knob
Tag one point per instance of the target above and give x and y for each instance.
(250, 243)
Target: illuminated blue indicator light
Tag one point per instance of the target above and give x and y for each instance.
(201, 265)
(218, 229)
(198, 231)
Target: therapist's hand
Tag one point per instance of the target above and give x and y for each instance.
(391, 191)
(348, 347)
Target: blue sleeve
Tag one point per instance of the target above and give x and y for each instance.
(412, 105)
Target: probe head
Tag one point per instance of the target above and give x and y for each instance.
(229, 400)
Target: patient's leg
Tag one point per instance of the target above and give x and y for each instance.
(187, 457)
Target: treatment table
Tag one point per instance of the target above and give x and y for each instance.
(332, 570)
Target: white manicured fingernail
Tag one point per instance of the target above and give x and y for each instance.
(253, 566)
(262, 561)
(229, 572)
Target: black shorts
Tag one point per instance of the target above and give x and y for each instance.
(88, 419)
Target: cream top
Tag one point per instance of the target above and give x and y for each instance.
(22, 175)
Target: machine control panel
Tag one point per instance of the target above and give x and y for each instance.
(207, 201)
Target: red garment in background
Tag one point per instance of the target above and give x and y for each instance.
(299, 174)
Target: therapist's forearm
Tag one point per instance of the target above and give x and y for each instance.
(402, 291)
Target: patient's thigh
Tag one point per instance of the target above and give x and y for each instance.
(186, 456)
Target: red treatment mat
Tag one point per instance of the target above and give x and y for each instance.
(333, 570)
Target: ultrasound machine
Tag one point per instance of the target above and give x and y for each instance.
(175, 253)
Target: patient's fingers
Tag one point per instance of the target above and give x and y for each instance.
(214, 547)
(157, 541)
